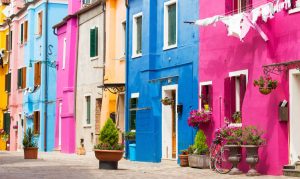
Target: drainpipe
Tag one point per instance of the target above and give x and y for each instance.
(127, 72)
(46, 76)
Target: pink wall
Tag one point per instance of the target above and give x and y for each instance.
(220, 54)
(66, 82)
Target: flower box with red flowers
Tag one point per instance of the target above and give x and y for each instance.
(197, 118)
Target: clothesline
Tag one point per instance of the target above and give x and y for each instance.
(238, 25)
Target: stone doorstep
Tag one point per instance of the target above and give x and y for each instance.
(297, 165)
(291, 172)
(293, 167)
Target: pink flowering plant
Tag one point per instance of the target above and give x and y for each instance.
(197, 118)
(232, 135)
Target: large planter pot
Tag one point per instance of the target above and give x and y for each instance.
(30, 153)
(234, 158)
(198, 161)
(108, 159)
(184, 160)
(252, 159)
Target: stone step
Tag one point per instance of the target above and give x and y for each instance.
(291, 172)
(289, 167)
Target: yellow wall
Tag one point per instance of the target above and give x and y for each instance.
(3, 71)
(115, 58)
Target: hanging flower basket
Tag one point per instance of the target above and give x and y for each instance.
(167, 101)
(197, 118)
(265, 84)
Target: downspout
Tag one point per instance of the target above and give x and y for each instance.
(8, 21)
(46, 77)
(104, 37)
(127, 72)
(76, 61)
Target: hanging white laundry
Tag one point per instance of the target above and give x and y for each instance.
(267, 11)
(248, 21)
(288, 4)
(279, 6)
(208, 21)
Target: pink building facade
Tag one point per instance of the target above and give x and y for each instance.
(225, 58)
(65, 107)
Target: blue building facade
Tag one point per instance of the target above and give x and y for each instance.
(40, 60)
(159, 66)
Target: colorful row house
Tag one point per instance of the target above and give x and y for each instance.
(162, 63)
(31, 81)
(91, 66)
(269, 47)
(4, 56)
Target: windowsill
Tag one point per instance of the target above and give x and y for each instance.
(295, 10)
(94, 58)
(136, 55)
(235, 125)
(170, 47)
(87, 126)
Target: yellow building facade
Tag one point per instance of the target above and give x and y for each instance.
(3, 71)
(113, 103)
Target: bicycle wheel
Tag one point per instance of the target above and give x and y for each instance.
(222, 165)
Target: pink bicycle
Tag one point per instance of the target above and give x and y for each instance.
(219, 155)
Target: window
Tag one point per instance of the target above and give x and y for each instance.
(234, 93)
(36, 122)
(8, 82)
(88, 109)
(7, 42)
(22, 33)
(206, 95)
(25, 31)
(6, 123)
(22, 78)
(85, 2)
(64, 54)
(170, 24)
(133, 110)
(37, 74)
(124, 37)
(237, 6)
(40, 23)
(10, 40)
(94, 42)
(137, 35)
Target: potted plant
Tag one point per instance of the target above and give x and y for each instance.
(265, 84)
(197, 118)
(198, 153)
(108, 151)
(252, 140)
(233, 138)
(167, 101)
(184, 158)
(30, 145)
(130, 136)
(237, 117)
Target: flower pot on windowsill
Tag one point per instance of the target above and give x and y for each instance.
(206, 108)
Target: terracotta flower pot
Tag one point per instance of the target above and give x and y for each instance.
(30, 153)
(252, 159)
(234, 158)
(184, 160)
(265, 91)
(108, 159)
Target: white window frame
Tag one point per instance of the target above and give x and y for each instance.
(38, 23)
(134, 35)
(205, 83)
(237, 92)
(64, 53)
(135, 95)
(86, 125)
(166, 25)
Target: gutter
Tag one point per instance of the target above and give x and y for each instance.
(46, 78)
(127, 74)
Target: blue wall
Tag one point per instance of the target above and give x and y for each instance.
(35, 51)
(156, 63)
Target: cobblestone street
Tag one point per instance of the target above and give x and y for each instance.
(60, 166)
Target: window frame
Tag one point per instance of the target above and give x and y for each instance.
(135, 35)
(22, 33)
(166, 45)
(205, 83)
(131, 110)
(124, 24)
(237, 74)
(37, 79)
(86, 110)
(40, 19)
(25, 32)
(96, 41)
(36, 122)
(64, 53)
(22, 72)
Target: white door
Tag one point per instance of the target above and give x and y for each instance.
(294, 144)
(169, 124)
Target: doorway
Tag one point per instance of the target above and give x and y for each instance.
(294, 126)
(169, 123)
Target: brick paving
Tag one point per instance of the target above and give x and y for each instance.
(54, 165)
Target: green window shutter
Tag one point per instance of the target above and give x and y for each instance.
(22, 33)
(19, 78)
(139, 35)
(7, 82)
(92, 42)
(172, 24)
(133, 106)
(96, 41)
(6, 122)
(88, 110)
